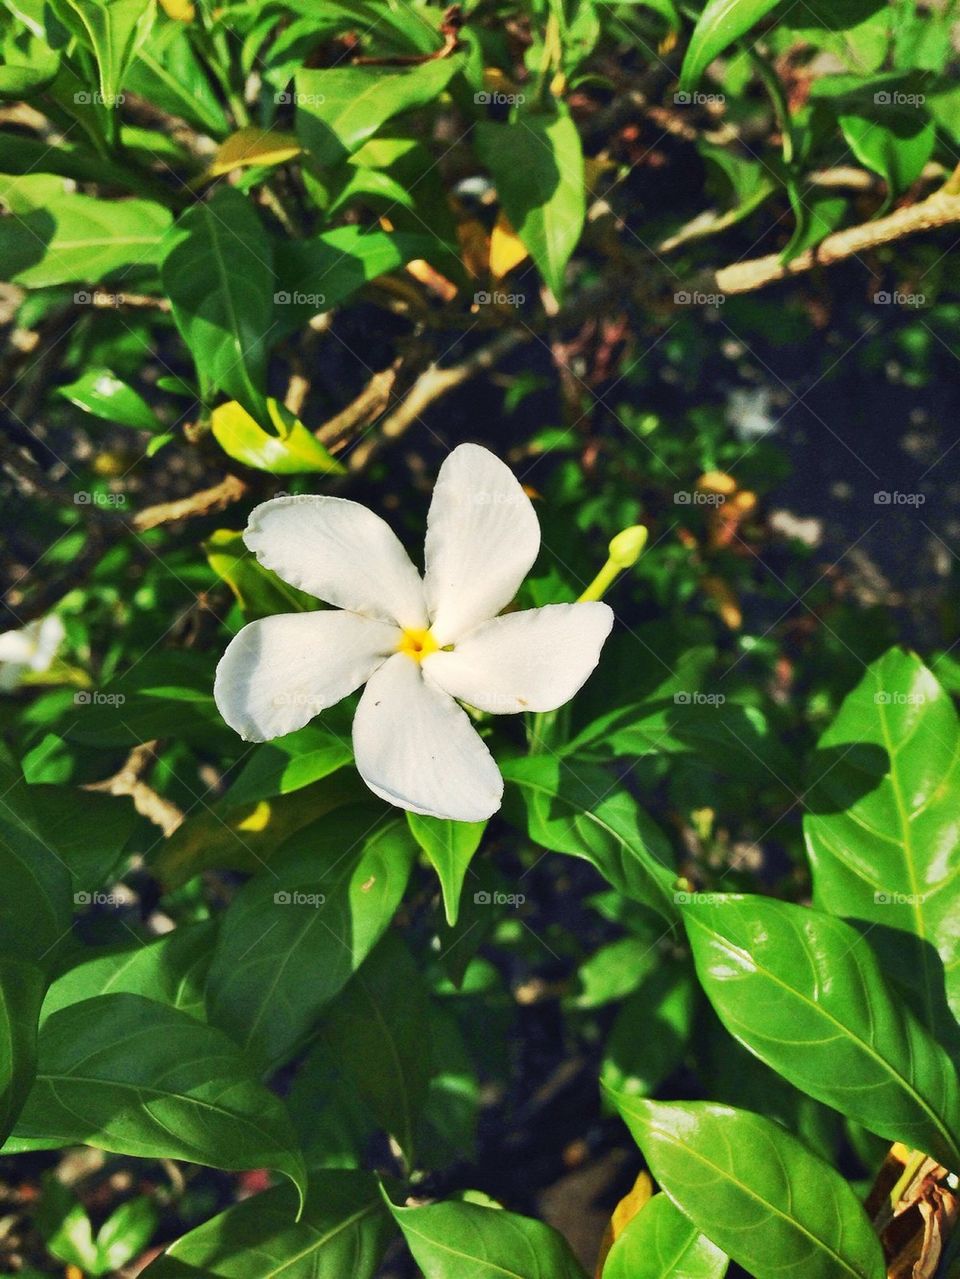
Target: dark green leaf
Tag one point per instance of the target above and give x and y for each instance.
(21, 994)
(101, 393)
(720, 23)
(134, 1077)
(450, 847)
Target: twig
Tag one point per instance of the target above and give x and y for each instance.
(433, 383)
(363, 411)
(129, 780)
(229, 490)
(937, 210)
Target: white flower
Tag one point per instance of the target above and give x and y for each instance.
(420, 644)
(31, 649)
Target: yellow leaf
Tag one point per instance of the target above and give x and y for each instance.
(179, 10)
(506, 249)
(253, 146)
(623, 1214)
(291, 450)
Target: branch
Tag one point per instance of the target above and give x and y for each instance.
(229, 490)
(431, 385)
(130, 781)
(940, 209)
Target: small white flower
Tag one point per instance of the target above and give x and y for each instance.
(31, 649)
(419, 644)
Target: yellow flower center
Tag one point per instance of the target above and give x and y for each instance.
(417, 643)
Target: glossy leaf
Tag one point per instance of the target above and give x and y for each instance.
(578, 809)
(170, 969)
(343, 1232)
(113, 30)
(804, 992)
(291, 762)
(134, 1077)
(288, 448)
(217, 271)
(755, 1191)
(77, 238)
(894, 143)
(456, 1240)
(450, 847)
(881, 827)
(296, 932)
(101, 393)
(661, 1243)
(339, 108)
(537, 164)
(378, 1031)
(720, 23)
(652, 1030)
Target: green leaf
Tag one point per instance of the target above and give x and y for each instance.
(537, 164)
(77, 238)
(892, 142)
(25, 71)
(224, 314)
(289, 449)
(817, 214)
(804, 992)
(450, 847)
(339, 108)
(652, 1030)
(318, 274)
(581, 811)
(294, 935)
(661, 1243)
(134, 1077)
(168, 74)
(343, 1231)
(170, 969)
(290, 763)
(259, 592)
(125, 1234)
(378, 1031)
(21, 993)
(101, 393)
(89, 830)
(720, 23)
(881, 824)
(114, 30)
(755, 1191)
(455, 1240)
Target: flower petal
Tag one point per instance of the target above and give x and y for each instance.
(530, 661)
(281, 671)
(417, 749)
(482, 538)
(340, 552)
